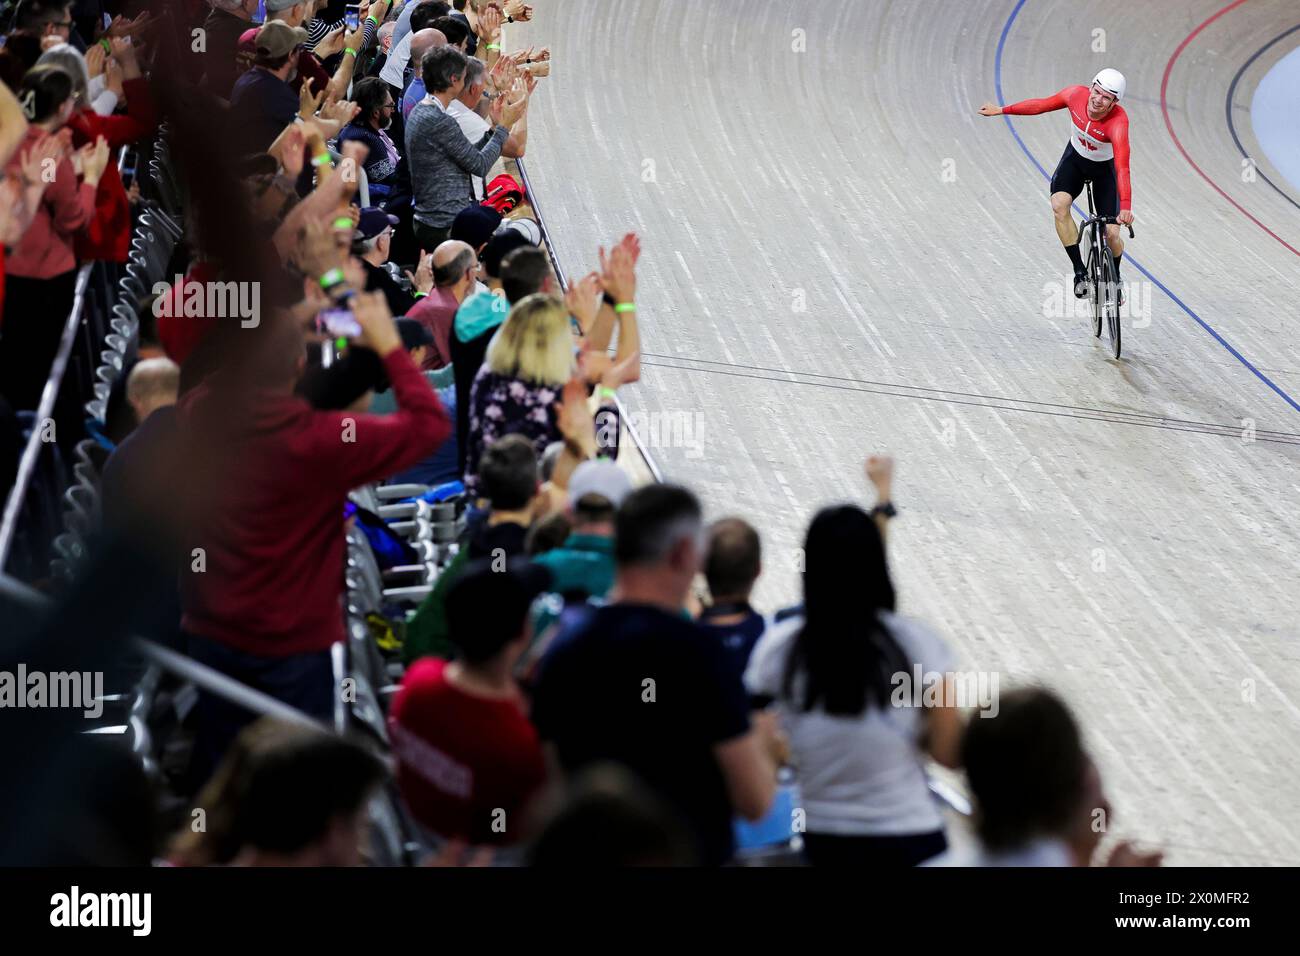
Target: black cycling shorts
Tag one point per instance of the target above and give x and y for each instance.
(1073, 171)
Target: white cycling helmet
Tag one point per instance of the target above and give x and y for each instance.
(1112, 81)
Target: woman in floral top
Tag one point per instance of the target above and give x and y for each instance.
(528, 363)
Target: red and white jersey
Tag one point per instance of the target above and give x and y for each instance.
(1098, 140)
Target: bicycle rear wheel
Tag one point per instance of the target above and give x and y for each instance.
(1110, 287)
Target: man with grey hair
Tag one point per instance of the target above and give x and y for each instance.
(464, 110)
(441, 159)
(455, 267)
(635, 682)
(372, 243)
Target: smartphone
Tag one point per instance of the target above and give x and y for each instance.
(352, 16)
(339, 323)
(260, 15)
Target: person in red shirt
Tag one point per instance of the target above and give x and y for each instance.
(262, 581)
(469, 761)
(455, 270)
(107, 236)
(41, 270)
(1098, 151)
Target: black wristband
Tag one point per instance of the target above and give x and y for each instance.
(610, 301)
(885, 508)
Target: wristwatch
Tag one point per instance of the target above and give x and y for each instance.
(885, 508)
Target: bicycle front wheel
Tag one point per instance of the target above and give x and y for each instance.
(1111, 291)
(1095, 290)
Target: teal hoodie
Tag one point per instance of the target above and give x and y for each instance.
(478, 314)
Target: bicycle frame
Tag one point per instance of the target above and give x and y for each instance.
(1103, 287)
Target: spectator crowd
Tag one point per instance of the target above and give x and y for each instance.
(585, 680)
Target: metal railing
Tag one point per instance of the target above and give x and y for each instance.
(562, 278)
(18, 495)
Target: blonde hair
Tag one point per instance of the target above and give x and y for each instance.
(534, 343)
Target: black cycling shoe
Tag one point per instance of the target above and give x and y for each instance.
(1080, 284)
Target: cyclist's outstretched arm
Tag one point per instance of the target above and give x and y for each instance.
(1027, 107)
(1047, 104)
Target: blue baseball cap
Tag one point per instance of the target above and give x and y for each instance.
(373, 221)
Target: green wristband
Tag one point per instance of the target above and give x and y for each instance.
(606, 392)
(494, 46)
(344, 222)
(348, 49)
(331, 278)
(419, 295)
(625, 307)
(322, 160)
(371, 19)
(108, 47)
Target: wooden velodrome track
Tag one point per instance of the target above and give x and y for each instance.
(1107, 528)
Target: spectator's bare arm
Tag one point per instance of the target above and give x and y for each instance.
(13, 125)
(517, 143)
(880, 472)
(518, 11)
(23, 196)
(331, 195)
(338, 85)
(489, 35)
(578, 429)
(618, 276)
(944, 728)
(749, 770)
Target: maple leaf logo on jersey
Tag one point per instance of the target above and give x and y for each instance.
(1087, 144)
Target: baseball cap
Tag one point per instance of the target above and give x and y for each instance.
(602, 477)
(248, 40)
(500, 246)
(475, 224)
(527, 228)
(373, 221)
(277, 38)
(413, 333)
(486, 608)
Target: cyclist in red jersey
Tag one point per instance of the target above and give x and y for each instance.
(1098, 151)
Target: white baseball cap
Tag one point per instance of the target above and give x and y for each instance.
(601, 477)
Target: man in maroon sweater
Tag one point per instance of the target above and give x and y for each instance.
(262, 587)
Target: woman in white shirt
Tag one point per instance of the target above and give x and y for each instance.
(837, 674)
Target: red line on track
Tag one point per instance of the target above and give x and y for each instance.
(1164, 108)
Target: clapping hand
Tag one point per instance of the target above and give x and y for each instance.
(618, 269)
(329, 45)
(879, 470)
(583, 300)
